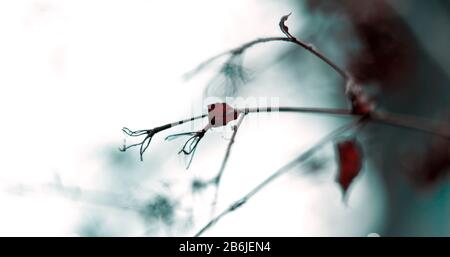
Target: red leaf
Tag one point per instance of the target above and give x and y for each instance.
(219, 114)
(350, 162)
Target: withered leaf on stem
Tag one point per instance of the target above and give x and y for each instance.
(283, 26)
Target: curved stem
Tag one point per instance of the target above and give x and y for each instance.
(242, 48)
(321, 56)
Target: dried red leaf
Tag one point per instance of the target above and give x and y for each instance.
(350, 162)
(219, 114)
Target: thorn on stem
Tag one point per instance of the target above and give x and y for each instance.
(283, 27)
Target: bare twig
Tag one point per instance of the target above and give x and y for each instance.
(218, 178)
(289, 38)
(410, 122)
(311, 110)
(235, 51)
(440, 129)
(244, 47)
(149, 133)
(301, 158)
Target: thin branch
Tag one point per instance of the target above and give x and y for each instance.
(397, 120)
(149, 133)
(311, 110)
(438, 128)
(301, 158)
(218, 178)
(317, 53)
(392, 119)
(244, 47)
(234, 51)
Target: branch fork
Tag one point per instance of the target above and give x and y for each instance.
(362, 107)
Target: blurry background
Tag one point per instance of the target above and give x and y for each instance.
(73, 73)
